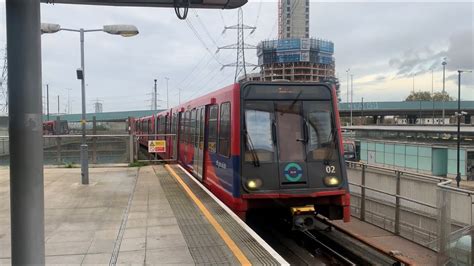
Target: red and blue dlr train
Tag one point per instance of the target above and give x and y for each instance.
(261, 145)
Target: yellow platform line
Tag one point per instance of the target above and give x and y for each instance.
(222, 233)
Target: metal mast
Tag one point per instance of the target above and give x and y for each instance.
(240, 46)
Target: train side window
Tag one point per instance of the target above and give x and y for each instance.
(165, 120)
(196, 128)
(192, 126)
(212, 139)
(187, 128)
(162, 125)
(224, 130)
(159, 125)
(181, 129)
(201, 134)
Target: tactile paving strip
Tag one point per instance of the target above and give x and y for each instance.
(249, 246)
(204, 243)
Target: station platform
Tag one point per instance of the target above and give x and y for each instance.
(388, 242)
(150, 215)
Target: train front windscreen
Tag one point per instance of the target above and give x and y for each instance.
(290, 139)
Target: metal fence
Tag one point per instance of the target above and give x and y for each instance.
(142, 155)
(103, 149)
(425, 209)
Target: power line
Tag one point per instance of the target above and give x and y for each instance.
(257, 18)
(204, 27)
(222, 18)
(196, 33)
(188, 79)
(203, 74)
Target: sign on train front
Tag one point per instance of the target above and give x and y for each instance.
(156, 146)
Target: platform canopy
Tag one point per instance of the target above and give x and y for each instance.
(221, 4)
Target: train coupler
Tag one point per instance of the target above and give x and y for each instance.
(304, 218)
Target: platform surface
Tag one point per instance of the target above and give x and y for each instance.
(132, 216)
(389, 241)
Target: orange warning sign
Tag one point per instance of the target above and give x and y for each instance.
(156, 146)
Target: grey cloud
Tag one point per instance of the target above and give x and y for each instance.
(460, 53)
(415, 62)
(466, 79)
(379, 78)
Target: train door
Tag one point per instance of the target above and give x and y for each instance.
(194, 140)
(174, 130)
(199, 143)
(180, 136)
(292, 136)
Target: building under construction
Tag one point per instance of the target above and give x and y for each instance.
(294, 55)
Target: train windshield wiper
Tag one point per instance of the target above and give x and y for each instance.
(255, 160)
(294, 101)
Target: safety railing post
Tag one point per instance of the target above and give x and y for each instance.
(130, 149)
(137, 147)
(362, 194)
(94, 140)
(58, 150)
(397, 205)
(444, 224)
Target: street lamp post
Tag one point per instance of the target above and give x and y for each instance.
(352, 94)
(347, 95)
(444, 72)
(123, 30)
(47, 101)
(155, 97)
(432, 95)
(459, 115)
(167, 97)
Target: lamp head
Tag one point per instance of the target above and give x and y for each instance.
(122, 30)
(50, 28)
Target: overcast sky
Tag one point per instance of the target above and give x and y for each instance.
(384, 45)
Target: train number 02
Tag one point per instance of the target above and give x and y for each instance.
(330, 169)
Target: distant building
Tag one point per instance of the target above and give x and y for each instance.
(293, 16)
(294, 56)
(300, 59)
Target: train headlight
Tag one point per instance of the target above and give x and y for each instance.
(253, 184)
(331, 181)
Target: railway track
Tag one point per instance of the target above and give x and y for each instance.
(322, 246)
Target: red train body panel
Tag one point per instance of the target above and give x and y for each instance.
(55, 127)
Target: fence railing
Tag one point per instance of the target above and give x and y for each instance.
(426, 209)
(169, 154)
(102, 149)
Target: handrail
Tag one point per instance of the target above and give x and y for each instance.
(435, 182)
(395, 195)
(442, 181)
